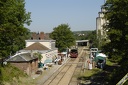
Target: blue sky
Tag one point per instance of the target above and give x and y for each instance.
(80, 15)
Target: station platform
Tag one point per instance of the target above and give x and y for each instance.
(41, 78)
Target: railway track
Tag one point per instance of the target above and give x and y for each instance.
(66, 74)
(78, 69)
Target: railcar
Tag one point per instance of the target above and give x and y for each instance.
(73, 53)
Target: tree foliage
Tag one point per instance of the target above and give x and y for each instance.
(88, 35)
(39, 56)
(93, 39)
(64, 37)
(13, 16)
(117, 26)
(82, 35)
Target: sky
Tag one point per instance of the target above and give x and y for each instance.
(80, 15)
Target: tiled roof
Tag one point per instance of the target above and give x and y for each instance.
(22, 57)
(36, 46)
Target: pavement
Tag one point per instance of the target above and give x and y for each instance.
(41, 78)
(53, 68)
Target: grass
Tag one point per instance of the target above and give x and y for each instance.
(98, 75)
(11, 75)
(89, 73)
(109, 63)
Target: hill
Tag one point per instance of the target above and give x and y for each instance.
(10, 74)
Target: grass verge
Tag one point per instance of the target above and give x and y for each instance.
(98, 75)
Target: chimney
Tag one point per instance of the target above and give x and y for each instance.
(33, 36)
(41, 35)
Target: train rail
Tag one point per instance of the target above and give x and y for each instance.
(66, 74)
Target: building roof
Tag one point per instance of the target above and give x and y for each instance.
(22, 57)
(36, 46)
(40, 40)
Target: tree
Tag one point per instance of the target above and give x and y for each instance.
(117, 26)
(39, 56)
(13, 16)
(64, 37)
(93, 39)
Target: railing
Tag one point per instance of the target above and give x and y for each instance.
(123, 80)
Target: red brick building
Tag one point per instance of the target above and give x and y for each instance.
(40, 36)
(26, 62)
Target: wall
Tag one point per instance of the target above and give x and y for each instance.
(48, 43)
(27, 67)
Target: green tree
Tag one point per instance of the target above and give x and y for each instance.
(39, 56)
(64, 37)
(13, 16)
(117, 26)
(93, 39)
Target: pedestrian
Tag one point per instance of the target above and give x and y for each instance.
(55, 61)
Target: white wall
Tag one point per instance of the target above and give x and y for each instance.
(46, 43)
(100, 21)
(29, 43)
(46, 54)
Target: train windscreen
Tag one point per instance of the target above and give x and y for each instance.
(73, 53)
